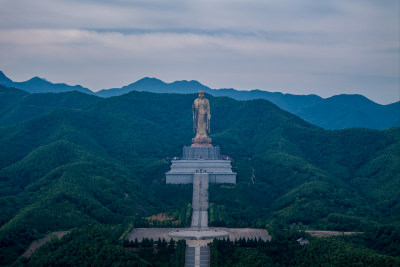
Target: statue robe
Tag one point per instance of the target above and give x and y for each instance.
(201, 117)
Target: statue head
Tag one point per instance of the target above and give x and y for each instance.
(201, 94)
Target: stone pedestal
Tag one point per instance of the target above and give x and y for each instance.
(201, 153)
(201, 142)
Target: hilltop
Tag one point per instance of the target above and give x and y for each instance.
(18, 105)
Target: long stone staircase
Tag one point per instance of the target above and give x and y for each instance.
(200, 201)
(198, 256)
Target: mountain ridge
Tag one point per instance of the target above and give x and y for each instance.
(336, 112)
(18, 105)
(41, 85)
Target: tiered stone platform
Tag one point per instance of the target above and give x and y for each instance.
(201, 159)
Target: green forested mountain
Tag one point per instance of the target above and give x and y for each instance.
(17, 105)
(105, 162)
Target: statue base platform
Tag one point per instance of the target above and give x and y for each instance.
(201, 142)
(183, 171)
(198, 160)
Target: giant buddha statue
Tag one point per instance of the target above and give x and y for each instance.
(201, 121)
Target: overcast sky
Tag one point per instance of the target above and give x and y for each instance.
(290, 46)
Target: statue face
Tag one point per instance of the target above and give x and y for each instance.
(201, 95)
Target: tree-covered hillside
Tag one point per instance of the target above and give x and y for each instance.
(17, 105)
(376, 247)
(105, 162)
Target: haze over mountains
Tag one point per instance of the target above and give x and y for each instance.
(337, 112)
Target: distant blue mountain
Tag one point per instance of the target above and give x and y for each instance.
(154, 85)
(337, 112)
(350, 111)
(5, 81)
(40, 85)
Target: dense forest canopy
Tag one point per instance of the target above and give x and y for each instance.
(80, 160)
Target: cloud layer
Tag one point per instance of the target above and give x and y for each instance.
(300, 47)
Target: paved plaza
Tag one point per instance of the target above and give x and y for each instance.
(233, 233)
(199, 235)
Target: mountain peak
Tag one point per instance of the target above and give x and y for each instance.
(191, 82)
(147, 81)
(37, 79)
(351, 99)
(4, 80)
